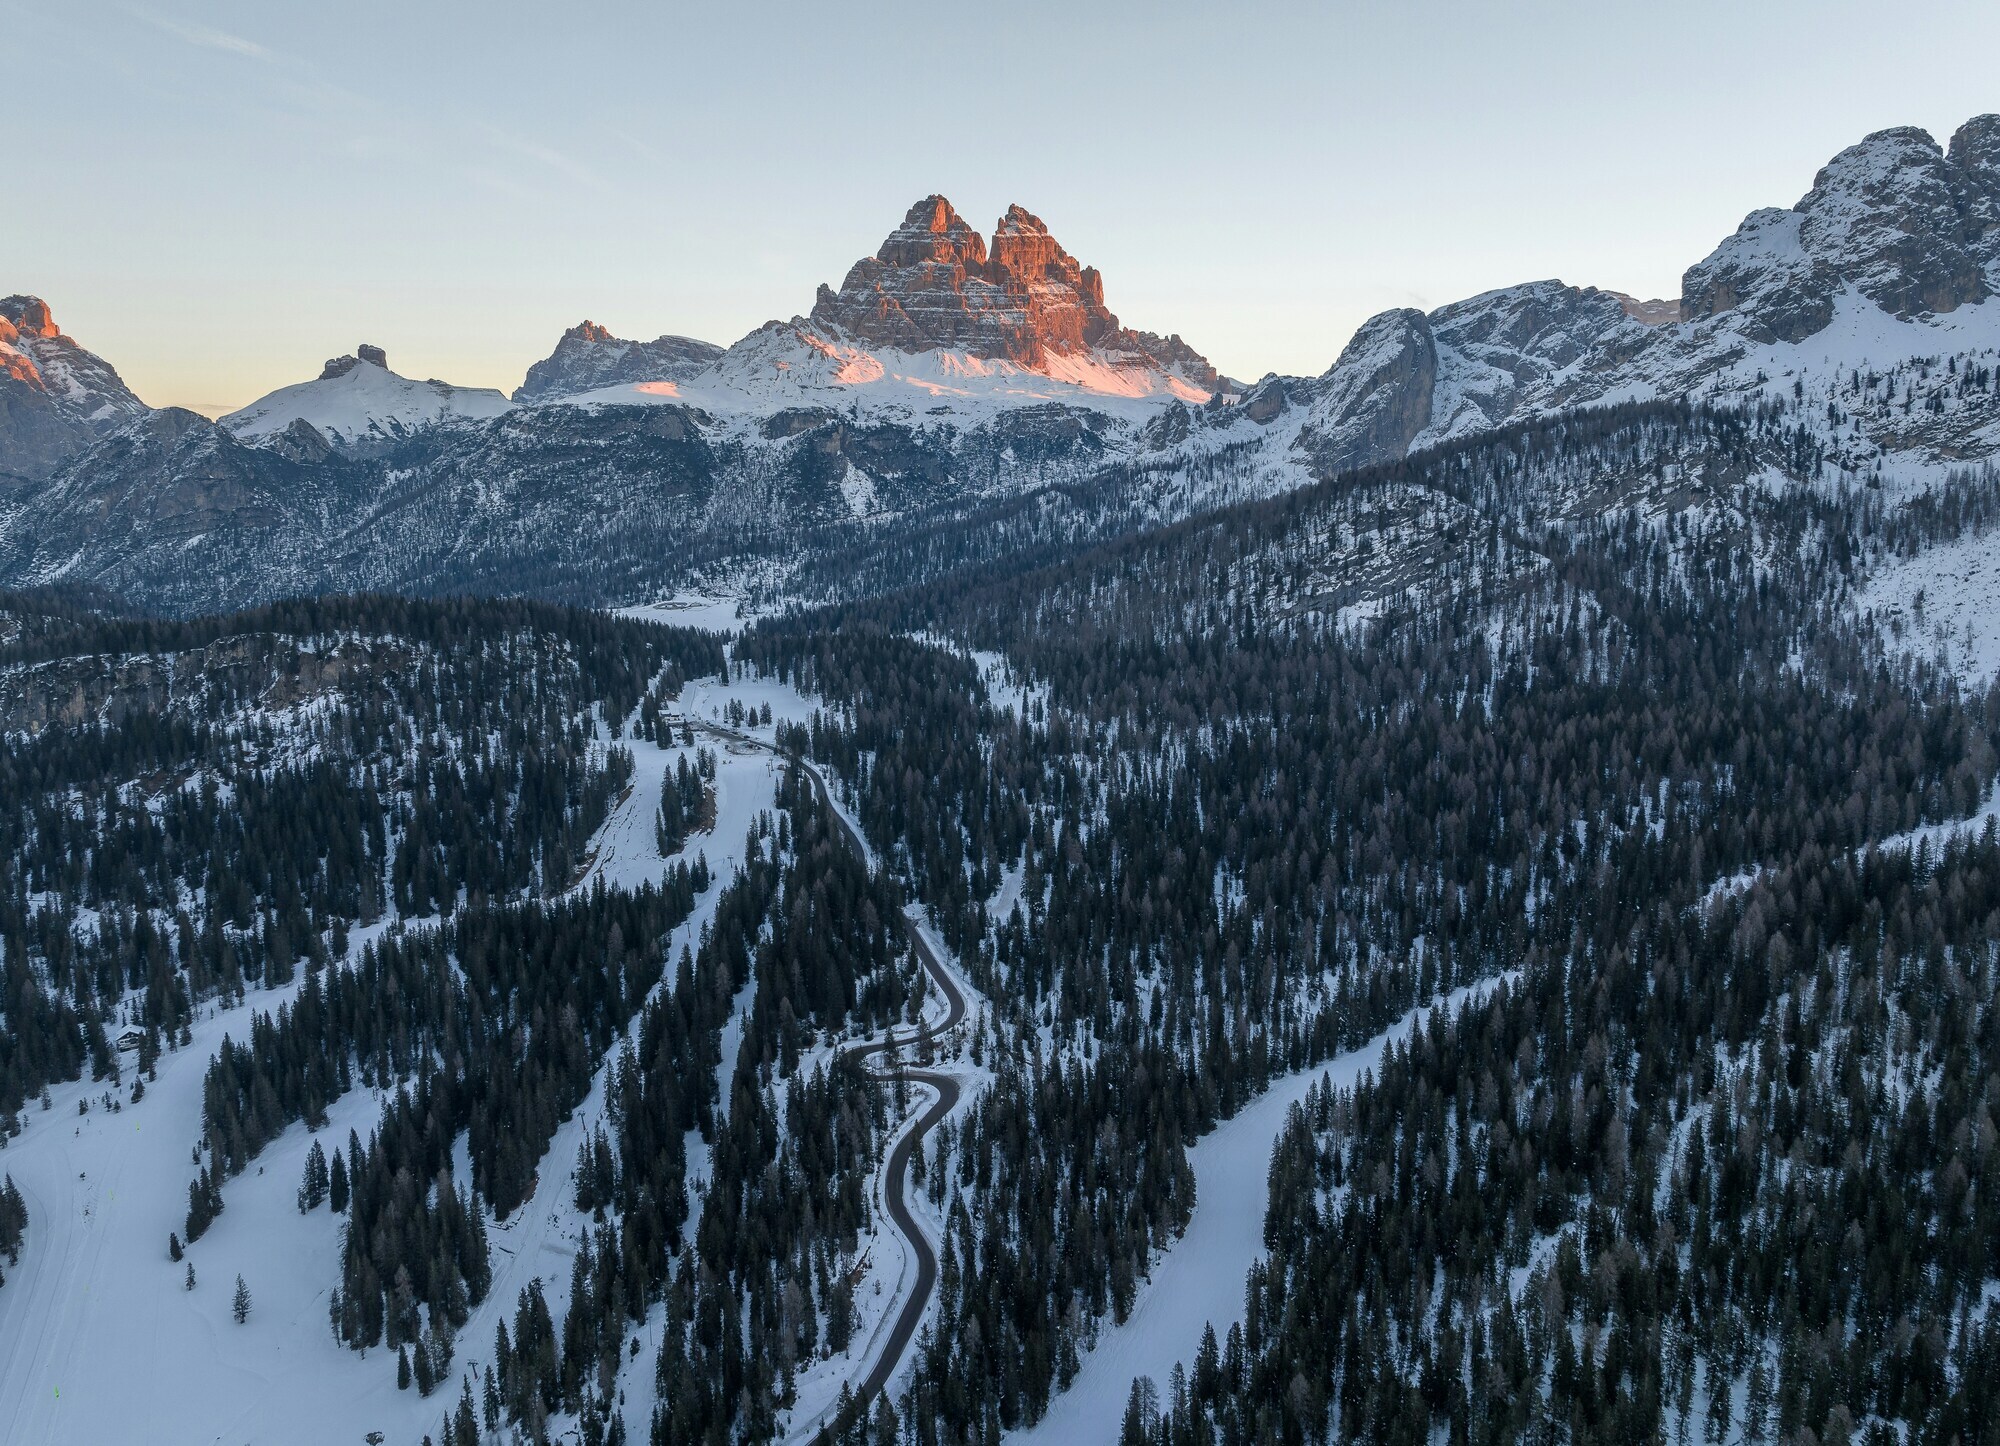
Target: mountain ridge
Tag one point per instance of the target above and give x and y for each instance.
(588, 357)
(1891, 255)
(947, 374)
(55, 397)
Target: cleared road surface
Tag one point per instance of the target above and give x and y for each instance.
(896, 1175)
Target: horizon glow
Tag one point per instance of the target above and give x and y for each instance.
(223, 195)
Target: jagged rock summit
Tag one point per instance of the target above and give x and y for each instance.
(1891, 256)
(1909, 225)
(935, 285)
(357, 404)
(936, 323)
(589, 358)
(340, 366)
(55, 397)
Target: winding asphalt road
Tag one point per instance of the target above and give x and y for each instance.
(895, 1178)
(895, 1181)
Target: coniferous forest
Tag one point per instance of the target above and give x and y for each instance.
(1585, 729)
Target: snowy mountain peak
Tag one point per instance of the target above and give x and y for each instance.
(1894, 216)
(1893, 254)
(55, 397)
(356, 403)
(935, 285)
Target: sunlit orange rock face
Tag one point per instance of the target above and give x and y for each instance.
(30, 316)
(14, 363)
(935, 285)
(55, 397)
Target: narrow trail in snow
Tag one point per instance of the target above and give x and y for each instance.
(896, 1171)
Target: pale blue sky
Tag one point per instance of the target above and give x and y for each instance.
(218, 196)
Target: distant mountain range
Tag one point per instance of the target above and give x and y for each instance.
(947, 371)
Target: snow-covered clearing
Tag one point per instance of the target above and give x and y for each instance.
(1199, 1280)
(705, 699)
(713, 612)
(1006, 690)
(1945, 600)
(625, 852)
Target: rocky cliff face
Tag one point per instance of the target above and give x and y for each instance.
(1408, 378)
(1908, 225)
(934, 285)
(588, 358)
(71, 692)
(173, 476)
(1891, 256)
(55, 397)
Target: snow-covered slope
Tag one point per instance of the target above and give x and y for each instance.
(356, 401)
(792, 364)
(55, 397)
(1892, 258)
(1197, 1283)
(96, 1327)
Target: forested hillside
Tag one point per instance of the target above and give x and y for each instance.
(1589, 717)
(198, 811)
(1587, 704)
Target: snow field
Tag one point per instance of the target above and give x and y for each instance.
(1199, 1280)
(712, 612)
(1945, 600)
